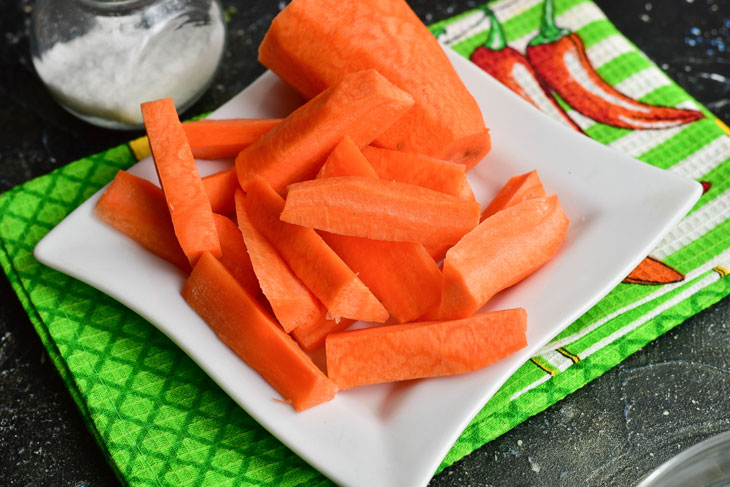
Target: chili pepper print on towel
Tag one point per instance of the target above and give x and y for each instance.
(511, 68)
(573, 78)
(559, 59)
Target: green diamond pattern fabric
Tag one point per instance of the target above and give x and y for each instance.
(162, 422)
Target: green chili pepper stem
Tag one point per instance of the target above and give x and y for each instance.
(496, 40)
(549, 32)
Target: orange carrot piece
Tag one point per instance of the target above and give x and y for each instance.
(234, 255)
(426, 349)
(187, 201)
(311, 259)
(504, 249)
(219, 139)
(311, 336)
(312, 44)
(346, 160)
(400, 274)
(137, 208)
(243, 325)
(380, 210)
(299, 312)
(437, 251)
(220, 188)
(444, 176)
(292, 303)
(518, 189)
(362, 105)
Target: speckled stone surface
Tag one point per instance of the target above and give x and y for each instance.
(665, 398)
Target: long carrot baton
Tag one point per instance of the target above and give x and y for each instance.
(187, 201)
(559, 59)
(511, 68)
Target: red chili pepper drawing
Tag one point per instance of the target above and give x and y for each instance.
(512, 69)
(515, 71)
(559, 58)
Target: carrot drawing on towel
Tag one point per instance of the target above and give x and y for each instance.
(651, 271)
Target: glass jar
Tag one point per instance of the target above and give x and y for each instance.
(102, 58)
(706, 464)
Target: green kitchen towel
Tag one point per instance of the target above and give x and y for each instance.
(162, 422)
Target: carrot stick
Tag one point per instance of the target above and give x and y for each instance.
(426, 349)
(311, 336)
(380, 210)
(504, 249)
(312, 44)
(187, 201)
(242, 324)
(437, 251)
(311, 259)
(292, 303)
(346, 160)
(137, 208)
(400, 274)
(234, 255)
(219, 139)
(220, 188)
(427, 172)
(517, 190)
(362, 105)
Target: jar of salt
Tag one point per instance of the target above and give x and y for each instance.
(102, 58)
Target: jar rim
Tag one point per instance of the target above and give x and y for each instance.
(115, 5)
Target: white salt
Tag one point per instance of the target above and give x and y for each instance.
(110, 70)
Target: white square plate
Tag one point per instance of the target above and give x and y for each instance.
(396, 435)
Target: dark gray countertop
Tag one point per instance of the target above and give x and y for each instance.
(668, 396)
